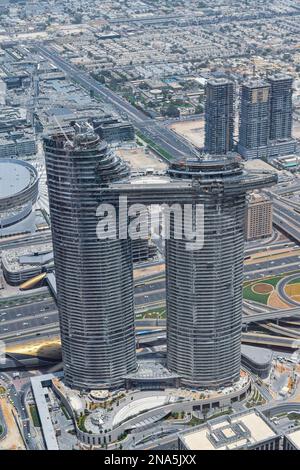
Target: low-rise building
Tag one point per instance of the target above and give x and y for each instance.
(248, 430)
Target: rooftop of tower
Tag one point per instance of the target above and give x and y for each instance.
(81, 141)
(74, 135)
(278, 77)
(207, 165)
(254, 83)
(204, 172)
(219, 81)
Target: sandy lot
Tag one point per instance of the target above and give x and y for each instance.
(293, 291)
(191, 130)
(13, 440)
(139, 158)
(275, 301)
(150, 270)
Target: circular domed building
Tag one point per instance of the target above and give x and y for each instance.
(18, 192)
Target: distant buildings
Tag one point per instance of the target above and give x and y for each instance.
(17, 144)
(281, 106)
(266, 116)
(259, 217)
(219, 116)
(112, 129)
(254, 118)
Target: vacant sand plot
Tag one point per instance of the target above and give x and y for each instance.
(296, 130)
(262, 288)
(140, 158)
(191, 130)
(13, 439)
(275, 301)
(148, 271)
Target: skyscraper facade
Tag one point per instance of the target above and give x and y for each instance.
(266, 118)
(254, 115)
(204, 281)
(281, 106)
(204, 286)
(94, 277)
(219, 116)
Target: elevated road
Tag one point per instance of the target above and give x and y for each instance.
(262, 339)
(272, 315)
(286, 218)
(161, 136)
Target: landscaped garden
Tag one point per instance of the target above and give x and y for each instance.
(260, 290)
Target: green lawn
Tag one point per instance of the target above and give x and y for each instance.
(294, 281)
(154, 313)
(248, 294)
(256, 297)
(154, 146)
(81, 423)
(293, 416)
(35, 416)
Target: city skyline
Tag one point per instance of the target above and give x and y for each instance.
(149, 227)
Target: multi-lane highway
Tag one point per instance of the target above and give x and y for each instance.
(271, 315)
(163, 137)
(14, 321)
(37, 316)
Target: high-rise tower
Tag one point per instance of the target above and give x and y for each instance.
(204, 286)
(94, 277)
(219, 116)
(254, 117)
(281, 108)
(203, 283)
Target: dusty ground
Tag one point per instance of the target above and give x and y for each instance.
(13, 440)
(139, 158)
(262, 288)
(275, 301)
(150, 270)
(293, 291)
(191, 130)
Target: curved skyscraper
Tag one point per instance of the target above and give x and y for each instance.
(204, 286)
(94, 277)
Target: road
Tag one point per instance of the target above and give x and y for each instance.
(150, 293)
(281, 288)
(18, 400)
(14, 320)
(161, 135)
